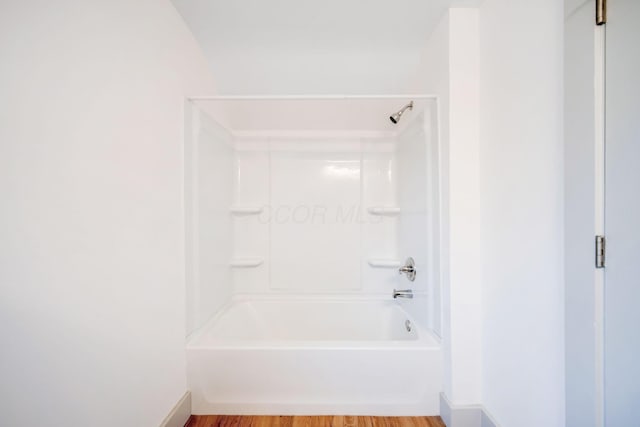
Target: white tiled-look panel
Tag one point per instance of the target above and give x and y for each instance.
(379, 231)
(315, 221)
(418, 232)
(303, 205)
(208, 172)
(251, 232)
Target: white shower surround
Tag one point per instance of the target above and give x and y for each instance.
(307, 324)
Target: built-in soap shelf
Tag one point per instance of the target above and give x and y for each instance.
(249, 262)
(246, 210)
(384, 210)
(385, 263)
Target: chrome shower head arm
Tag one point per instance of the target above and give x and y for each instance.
(395, 118)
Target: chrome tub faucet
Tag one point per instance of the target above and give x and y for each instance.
(403, 293)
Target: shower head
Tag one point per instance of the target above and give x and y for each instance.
(395, 117)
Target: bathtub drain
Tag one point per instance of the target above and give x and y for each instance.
(407, 324)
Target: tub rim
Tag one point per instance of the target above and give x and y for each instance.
(426, 340)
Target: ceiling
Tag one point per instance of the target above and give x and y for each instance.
(312, 47)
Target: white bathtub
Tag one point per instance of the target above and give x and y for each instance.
(310, 356)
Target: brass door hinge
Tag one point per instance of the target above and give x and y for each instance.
(601, 12)
(600, 251)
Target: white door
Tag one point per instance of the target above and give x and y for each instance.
(584, 200)
(622, 216)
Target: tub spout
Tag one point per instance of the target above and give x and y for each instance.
(403, 293)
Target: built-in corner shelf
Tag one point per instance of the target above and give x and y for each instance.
(384, 210)
(249, 262)
(385, 263)
(246, 210)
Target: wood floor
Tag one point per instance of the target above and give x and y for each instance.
(304, 421)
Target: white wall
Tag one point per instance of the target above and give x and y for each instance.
(92, 306)
(465, 296)
(449, 69)
(498, 74)
(522, 211)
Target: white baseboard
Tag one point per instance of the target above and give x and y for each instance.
(180, 413)
(303, 409)
(464, 415)
(487, 420)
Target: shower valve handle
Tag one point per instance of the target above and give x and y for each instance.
(406, 269)
(409, 268)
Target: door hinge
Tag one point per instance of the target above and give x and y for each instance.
(600, 251)
(601, 12)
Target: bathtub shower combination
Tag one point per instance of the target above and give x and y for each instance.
(313, 268)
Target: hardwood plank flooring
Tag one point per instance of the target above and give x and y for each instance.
(307, 421)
